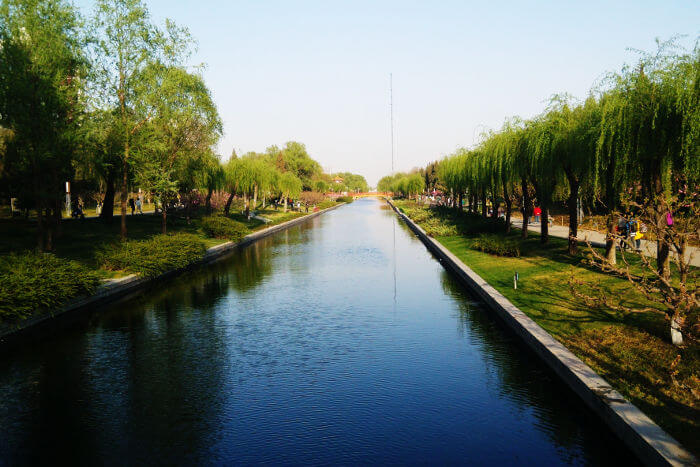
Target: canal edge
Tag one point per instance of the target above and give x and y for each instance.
(133, 285)
(651, 444)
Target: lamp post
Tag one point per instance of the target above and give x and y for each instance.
(68, 206)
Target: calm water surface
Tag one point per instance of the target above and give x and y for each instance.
(340, 341)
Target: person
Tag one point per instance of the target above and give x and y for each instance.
(537, 212)
(138, 205)
(640, 233)
(632, 228)
(132, 205)
(98, 208)
(622, 231)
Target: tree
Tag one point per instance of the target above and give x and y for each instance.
(127, 43)
(677, 298)
(42, 70)
(183, 125)
(289, 186)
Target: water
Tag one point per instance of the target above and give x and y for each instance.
(340, 341)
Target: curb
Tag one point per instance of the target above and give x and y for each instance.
(651, 444)
(132, 285)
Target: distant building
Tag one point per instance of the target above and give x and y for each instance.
(338, 180)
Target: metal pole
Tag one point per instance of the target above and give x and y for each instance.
(391, 113)
(68, 206)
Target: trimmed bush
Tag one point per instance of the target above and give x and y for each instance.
(495, 245)
(31, 281)
(223, 227)
(154, 256)
(344, 199)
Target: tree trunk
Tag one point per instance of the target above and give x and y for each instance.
(572, 202)
(125, 170)
(285, 204)
(509, 205)
(662, 246)
(247, 205)
(494, 211)
(227, 208)
(107, 213)
(483, 203)
(39, 216)
(544, 225)
(610, 239)
(207, 201)
(460, 200)
(525, 208)
(255, 197)
(676, 334)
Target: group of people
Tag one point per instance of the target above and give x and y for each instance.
(136, 206)
(630, 232)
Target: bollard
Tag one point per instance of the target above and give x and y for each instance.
(515, 280)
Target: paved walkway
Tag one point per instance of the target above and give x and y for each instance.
(598, 239)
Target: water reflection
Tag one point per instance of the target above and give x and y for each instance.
(339, 341)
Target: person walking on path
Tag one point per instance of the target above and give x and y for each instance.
(537, 212)
(139, 205)
(132, 205)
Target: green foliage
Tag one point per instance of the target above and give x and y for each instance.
(402, 184)
(344, 199)
(154, 256)
(496, 245)
(223, 227)
(40, 281)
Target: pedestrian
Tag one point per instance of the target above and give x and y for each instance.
(537, 212)
(138, 205)
(132, 205)
(640, 233)
(632, 228)
(622, 231)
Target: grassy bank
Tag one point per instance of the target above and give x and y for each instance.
(631, 351)
(88, 250)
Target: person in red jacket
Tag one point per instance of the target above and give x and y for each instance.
(537, 212)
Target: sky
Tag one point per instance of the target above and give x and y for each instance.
(317, 72)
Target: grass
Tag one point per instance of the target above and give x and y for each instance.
(632, 352)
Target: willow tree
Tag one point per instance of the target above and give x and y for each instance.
(578, 155)
(289, 186)
(183, 126)
(502, 146)
(212, 177)
(650, 127)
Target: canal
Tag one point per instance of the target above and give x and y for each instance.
(339, 341)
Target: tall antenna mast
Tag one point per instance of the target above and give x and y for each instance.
(391, 113)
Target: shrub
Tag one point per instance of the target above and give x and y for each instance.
(438, 228)
(31, 281)
(344, 199)
(496, 245)
(223, 227)
(325, 204)
(154, 256)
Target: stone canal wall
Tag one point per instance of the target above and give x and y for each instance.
(646, 439)
(133, 285)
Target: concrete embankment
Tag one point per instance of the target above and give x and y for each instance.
(43, 323)
(651, 444)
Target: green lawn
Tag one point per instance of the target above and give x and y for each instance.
(80, 239)
(632, 351)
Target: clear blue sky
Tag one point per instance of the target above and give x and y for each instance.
(318, 71)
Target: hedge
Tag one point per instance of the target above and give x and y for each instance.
(223, 227)
(40, 281)
(154, 256)
(496, 245)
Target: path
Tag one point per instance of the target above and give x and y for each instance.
(598, 239)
